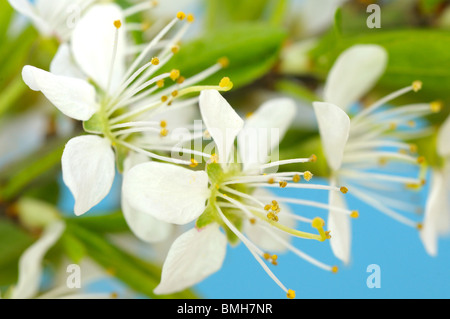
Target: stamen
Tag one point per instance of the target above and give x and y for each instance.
(252, 248)
(181, 15)
(117, 25)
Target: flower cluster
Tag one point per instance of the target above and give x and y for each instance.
(228, 187)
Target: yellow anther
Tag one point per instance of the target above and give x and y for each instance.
(226, 83)
(317, 222)
(274, 262)
(267, 207)
(392, 126)
(114, 295)
(416, 85)
(174, 93)
(160, 83)
(296, 178)
(436, 106)
(214, 158)
(181, 15)
(174, 74)
(274, 202)
(180, 80)
(117, 24)
(163, 123)
(206, 134)
(334, 269)
(252, 221)
(164, 98)
(283, 184)
(327, 234)
(272, 216)
(419, 226)
(194, 163)
(274, 257)
(224, 62)
(266, 256)
(290, 294)
(343, 190)
(163, 132)
(413, 186)
(382, 161)
(411, 123)
(354, 214)
(271, 180)
(145, 26)
(154, 2)
(155, 61)
(175, 49)
(190, 18)
(248, 115)
(313, 158)
(421, 160)
(307, 175)
(413, 148)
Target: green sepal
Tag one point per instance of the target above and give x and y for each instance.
(94, 124)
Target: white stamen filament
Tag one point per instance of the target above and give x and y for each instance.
(292, 185)
(383, 177)
(296, 251)
(143, 6)
(254, 250)
(386, 210)
(381, 102)
(284, 162)
(304, 202)
(153, 155)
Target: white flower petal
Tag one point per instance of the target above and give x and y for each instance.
(221, 120)
(354, 73)
(194, 255)
(264, 130)
(315, 16)
(74, 97)
(339, 225)
(88, 167)
(436, 208)
(63, 63)
(93, 45)
(30, 11)
(143, 225)
(443, 139)
(30, 263)
(167, 192)
(334, 127)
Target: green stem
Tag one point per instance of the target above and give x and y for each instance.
(11, 94)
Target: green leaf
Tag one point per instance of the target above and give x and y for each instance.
(13, 242)
(251, 48)
(104, 223)
(18, 177)
(138, 274)
(224, 13)
(417, 54)
(73, 247)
